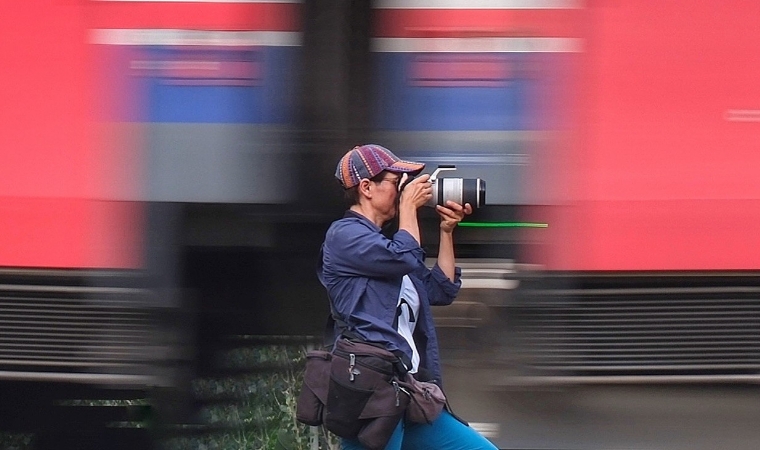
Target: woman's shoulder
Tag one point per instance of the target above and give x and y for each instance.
(348, 226)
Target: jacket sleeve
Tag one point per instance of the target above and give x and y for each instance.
(355, 250)
(440, 290)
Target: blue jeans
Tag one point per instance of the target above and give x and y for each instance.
(446, 433)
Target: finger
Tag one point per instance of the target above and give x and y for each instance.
(421, 179)
(454, 206)
(419, 188)
(467, 209)
(448, 213)
(446, 219)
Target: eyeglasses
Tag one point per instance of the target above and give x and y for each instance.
(393, 180)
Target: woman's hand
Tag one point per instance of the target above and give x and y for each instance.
(417, 192)
(452, 214)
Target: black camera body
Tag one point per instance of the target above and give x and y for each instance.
(459, 190)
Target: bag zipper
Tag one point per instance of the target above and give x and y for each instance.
(354, 361)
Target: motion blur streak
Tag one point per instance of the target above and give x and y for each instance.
(55, 210)
(665, 176)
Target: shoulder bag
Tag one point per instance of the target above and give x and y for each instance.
(354, 391)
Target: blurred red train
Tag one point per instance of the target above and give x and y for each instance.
(618, 140)
(191, 141)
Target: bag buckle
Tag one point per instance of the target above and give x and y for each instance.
(396, 388)
(352, 371)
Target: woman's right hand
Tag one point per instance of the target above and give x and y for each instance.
(417, 192)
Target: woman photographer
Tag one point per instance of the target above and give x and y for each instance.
(380, 289)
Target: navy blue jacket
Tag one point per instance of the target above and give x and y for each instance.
(362, 271)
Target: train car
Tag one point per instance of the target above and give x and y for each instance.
(67, 246)
(633, 265)
(133, 125)
(660, 196)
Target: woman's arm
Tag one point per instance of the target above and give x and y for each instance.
(353, 249)
(446, 260)
(412, 197)
(451, 215)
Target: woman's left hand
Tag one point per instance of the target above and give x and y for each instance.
(452, 214)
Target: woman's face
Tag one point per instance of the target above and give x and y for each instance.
(385, 195)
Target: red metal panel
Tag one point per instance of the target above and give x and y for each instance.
(70, 233)
(221, 16)
(671, 141)
(700, 234)
(52, 212)
(477, 22)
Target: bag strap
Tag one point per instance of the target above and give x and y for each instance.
(403, 363)
(344, 330)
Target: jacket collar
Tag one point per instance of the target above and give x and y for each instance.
(355, 215)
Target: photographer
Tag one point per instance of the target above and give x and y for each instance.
(380, 289)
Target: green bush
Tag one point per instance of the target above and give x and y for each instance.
(255, 410)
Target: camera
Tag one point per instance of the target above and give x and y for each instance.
(459, 190)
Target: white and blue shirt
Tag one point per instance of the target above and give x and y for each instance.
(407, 311)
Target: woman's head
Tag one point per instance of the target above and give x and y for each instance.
(370, 175)
(368, 161)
